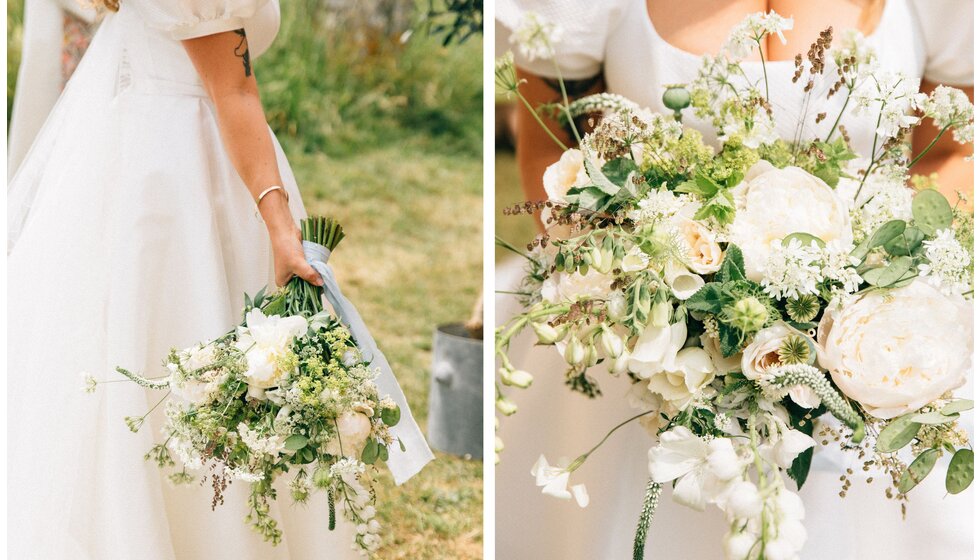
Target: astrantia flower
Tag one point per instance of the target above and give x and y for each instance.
(949, 263)
(950, 107)
(554, 482)
(746, 36)
(536, 37)
(793, 269)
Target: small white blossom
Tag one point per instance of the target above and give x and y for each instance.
(88, 382)
(949, 263)
(658, 205)
(889, 97)
(536, 37)
(950, 107)
(838, 266)
(554, 482)
(255, 441)
(747, 35)
(793, 269)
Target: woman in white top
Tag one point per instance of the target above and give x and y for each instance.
(634, 48)
(133, 227)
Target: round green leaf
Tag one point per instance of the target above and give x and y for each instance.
(383, 452)
(918, 470)
(886, 276)
(887, 232)
(296, 442)
(897, 434)
(957, 406)
(391, 416)
(931, 211)
(933, 418)
(959, 476)
(370, 453)
(805, 239)
(905, 243)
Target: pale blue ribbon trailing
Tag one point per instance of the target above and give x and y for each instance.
(402, 464)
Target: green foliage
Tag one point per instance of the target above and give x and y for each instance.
(931, 211)
(918, 470)
(897, 434)
(959, 475)
(719, 204)
(455, 20)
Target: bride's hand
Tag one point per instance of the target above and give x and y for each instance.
(287, 244)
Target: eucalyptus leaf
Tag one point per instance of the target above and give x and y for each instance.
(391, 416)
(296, 442)
(370, 453)
(897, 434)
(804, 238)
(383, 452)
(959, 475)
(931, 211)
(933, 418)
(887, 232)
(957, 406)
(918, 470)
(886, 276)
(905, 243)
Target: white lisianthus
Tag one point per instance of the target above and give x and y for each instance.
(353, 430)
(895, 352)
(567, 172)
(700, 467)
(554, 482)
(681, 381)
(763, 353)
(656, 348)
(773, 203)
(265, 340)
(566, 287)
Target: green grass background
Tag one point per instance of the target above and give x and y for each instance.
(385, 134)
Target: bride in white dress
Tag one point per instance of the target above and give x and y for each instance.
(133, 227)
(636, 47)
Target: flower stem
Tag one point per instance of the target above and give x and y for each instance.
(930, 146)
(765, 75)
(583, 457)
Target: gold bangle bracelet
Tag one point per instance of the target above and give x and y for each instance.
(269, 190)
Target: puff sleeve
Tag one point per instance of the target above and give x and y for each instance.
(584, 24)
(188, 19)
(947, 35)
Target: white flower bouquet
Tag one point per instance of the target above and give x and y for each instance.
(288, 391)
(758, 293)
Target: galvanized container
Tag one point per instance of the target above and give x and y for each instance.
(456, 392)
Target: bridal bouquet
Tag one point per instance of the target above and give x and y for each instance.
(287, 392)
(761, 295)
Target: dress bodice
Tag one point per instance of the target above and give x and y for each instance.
(618, 39)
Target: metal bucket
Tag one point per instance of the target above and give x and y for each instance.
(456, 392)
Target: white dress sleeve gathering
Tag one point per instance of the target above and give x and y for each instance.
(190, 19)
(947, 35)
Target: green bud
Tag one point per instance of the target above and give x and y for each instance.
(546, 333)
(506, 406)
(516, 378)
(677, 98)
(748, 314)
(574, 352)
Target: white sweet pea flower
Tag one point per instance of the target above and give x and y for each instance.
(656, 349)
(683, 379)
(554, 482)
(635, 260)
(567, 287)
(739, 545)
(785, 450)
(742, 500)
(685, 457)
(265, 340)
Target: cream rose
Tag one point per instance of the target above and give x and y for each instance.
(564, 286)
(704, 254)
(897, 351)
(567, 172)
(353, 429)
(763, 353)
(773, 203)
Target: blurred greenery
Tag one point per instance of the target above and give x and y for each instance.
(518, 230)
(384, 132)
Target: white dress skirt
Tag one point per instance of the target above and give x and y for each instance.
(131, 232)
(931, 39)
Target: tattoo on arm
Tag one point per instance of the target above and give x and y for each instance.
(241, 51)
(575, 88)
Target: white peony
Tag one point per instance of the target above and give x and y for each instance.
(681, 381)
(264, 340)
(205, 387)
(353, 429)
(895, 352)
(567, 172)
(564, 286)
(763, 353)
(773, 203)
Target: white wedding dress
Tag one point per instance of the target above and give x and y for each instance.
(131, 232)
(931, 39)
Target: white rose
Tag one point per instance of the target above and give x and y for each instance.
(264, 340)
(897, 351)
(564, 286)
(773, 203)
(656, 349)
(763, 353)
(567, 172)
(704, 254)
(353, 429)
(681, 381)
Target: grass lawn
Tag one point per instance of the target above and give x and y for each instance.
(517, 230)
(411, 260)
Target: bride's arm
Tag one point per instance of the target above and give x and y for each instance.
(535, 148)
(222, 60)
(947, 158)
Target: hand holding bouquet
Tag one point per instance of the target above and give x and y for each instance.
(290, 391)
(751, 289)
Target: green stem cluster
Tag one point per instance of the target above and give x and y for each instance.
(301, 297)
